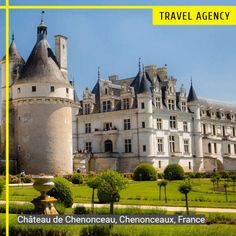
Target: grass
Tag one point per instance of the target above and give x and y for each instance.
(145, 193)
(138, 230)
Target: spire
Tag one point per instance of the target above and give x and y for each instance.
(192, 94)
(12, 37)
(99, 73)
(139, 64)
(42, 29)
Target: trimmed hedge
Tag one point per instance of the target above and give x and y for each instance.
(174, 172)
(95, 230)
(77, 178)
(62, 192)
(145, 172)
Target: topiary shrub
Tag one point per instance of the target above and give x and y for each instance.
(81, 210)
(77, 178)
(1, 186)
(62, 192)
(145, 172)
(174, 172)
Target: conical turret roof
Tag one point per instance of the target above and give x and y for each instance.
(42, 65)
(192, 94)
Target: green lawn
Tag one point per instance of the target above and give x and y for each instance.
(137, 230)
(146, 193)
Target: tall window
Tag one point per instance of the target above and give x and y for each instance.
(233, 131)
(159, 164)
(158, 102)
(185, 126)
(234, 148)
(229, 149)
(128, 145)
(88, 146)
(159, 123)
(189, 165)
(107, 126)
(186, 146)
(143, 124)
(171, 104)
(106, 106)
(215, 147)
(173, 122)
(183, 106)
(159, 145)
(213, 129)
(87, 109)
(126, 124)
(144, 148)
(223, 130)
(125, 103)
(172, 143)
(88, 128)
(204, 128)
(142, 105)
(209, 147)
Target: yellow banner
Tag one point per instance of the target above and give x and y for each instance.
(194, 15)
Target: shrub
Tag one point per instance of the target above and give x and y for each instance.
(81, 210)
(26, 208)
(62, 192)
(77, 178)
(1, 186)
(26, 179)
(60, 207)
(174, 172)
(145, 172)
(95, 230)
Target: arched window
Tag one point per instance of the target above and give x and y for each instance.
(108, 147)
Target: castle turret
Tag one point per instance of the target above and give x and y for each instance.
(42, 102)
(194, 107)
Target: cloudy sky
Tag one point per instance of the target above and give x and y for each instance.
(115, 39)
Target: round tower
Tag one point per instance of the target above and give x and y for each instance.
(194, 107)
(42, 99)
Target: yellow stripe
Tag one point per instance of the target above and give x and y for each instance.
(7, 117)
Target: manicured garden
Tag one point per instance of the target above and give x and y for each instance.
(145, 193)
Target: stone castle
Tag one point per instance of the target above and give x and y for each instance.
(117, 124)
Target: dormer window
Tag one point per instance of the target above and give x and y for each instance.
(125, 103)
(87, 109)
(106, 91)
(171, 104)
(158, 102)
(67, 90)
(106, 106)
(33, 88)
(183, 106)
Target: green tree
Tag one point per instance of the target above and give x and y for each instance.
(110, 185)
(226, 191)
(233, 179)
(93, 183)
(213, 180)
(161, 184)
(185, 188)
(217, 180)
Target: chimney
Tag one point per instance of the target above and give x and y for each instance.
(113, 78)
(61, 53)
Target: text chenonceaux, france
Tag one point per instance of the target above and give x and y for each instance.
(111, 219)
(185, 15)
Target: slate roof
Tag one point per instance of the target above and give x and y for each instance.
(145, 85)
(217, 104)
(192, 95)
